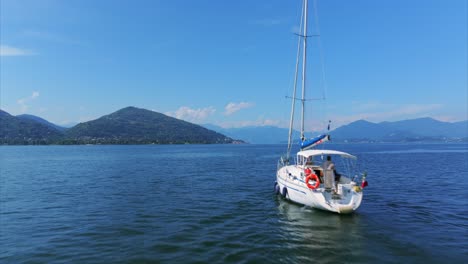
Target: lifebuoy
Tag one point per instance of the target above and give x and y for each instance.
(314, 177)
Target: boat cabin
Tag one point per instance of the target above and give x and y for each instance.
(314, 158)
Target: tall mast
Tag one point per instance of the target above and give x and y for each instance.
(293, 106)
(304, 69)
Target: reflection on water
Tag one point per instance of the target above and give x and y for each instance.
(316, 235)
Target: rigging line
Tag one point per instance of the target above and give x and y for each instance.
(321, 53)
(322, 63)
(295, 86)
(291, 79)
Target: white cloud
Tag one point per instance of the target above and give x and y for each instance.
(12, 51)
(415, 109)
(192, 115)
(259, 122)
(24, 102)
(448, 118)
(399, 112)
(231, 108)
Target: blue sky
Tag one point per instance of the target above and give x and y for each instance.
(231, 63)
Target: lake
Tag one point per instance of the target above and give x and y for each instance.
(215, 204)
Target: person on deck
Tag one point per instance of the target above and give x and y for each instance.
(330, 174)
(328, 164)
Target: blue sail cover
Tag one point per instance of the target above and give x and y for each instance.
(314, 141)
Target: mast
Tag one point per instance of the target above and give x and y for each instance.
(293, 106)
(304, 69)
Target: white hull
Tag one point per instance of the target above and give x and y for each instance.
(290, 183)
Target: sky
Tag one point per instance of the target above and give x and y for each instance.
(231, 63)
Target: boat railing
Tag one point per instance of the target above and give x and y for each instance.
(281, 163)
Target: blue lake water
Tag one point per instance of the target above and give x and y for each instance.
(215, 204)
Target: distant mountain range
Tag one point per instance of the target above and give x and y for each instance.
(133, 125)
(256, 134)
(421, 129)
(130, 125)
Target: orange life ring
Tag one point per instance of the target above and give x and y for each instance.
(314, 177)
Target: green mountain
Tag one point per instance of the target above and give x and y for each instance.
(133, 125)
(23, 131)
(139, 126)
(127, 126)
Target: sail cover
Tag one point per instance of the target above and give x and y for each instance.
(310, 143)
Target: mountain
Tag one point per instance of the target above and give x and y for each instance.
(256, 134)
(421, 129)
(127, 126)
(356, 129)
(430, 127)
(16, 130)
(133, 125)
(41, 120)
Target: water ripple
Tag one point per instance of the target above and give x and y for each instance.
(212, 204)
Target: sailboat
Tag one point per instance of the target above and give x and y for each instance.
(314, 177)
